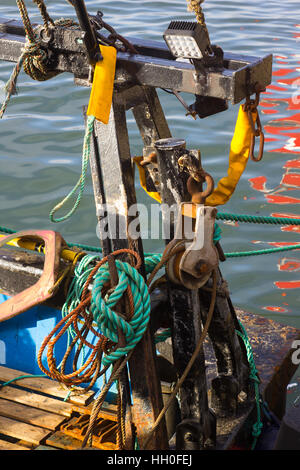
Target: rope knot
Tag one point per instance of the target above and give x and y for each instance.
(254, 377)
(36, 61)
(256, 429)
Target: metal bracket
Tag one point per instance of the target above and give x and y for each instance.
(193, 267)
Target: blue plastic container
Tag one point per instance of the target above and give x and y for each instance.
(21, 338)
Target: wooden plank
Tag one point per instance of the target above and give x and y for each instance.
(47, 386)
(119, 195)
(64, 442)
(26, 432)
(4, 445)
(30, 415)
(36, 401)
(41, 447)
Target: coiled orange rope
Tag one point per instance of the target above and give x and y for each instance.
(82, 321)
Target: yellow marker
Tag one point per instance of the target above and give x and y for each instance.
(238, 158)
(66, 254)
(154, 194)
(103, 85)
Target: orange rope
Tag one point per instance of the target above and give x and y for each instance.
(90, 370)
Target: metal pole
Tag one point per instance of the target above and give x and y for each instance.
(89, 38)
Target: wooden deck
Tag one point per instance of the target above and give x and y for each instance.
(33, 410)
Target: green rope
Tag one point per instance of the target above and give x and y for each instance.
(151, 259)
(265, 251)
(29, 376)
(81, 181)
(258, 425)
(161, 337)
(109, 321)
(68, 395)
(81, 273)
(257, 219)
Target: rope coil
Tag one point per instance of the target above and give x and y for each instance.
(109, 321)
(34, 58)
(93, 313)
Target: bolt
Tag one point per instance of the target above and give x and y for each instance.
(201, 267)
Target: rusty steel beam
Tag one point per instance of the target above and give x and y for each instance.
(153, 65)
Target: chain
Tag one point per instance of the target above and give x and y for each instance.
(195, 6)
(250, 107)
(98, 23)
(190, 164)
(197, 176)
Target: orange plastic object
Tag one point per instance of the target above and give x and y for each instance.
(43, 288)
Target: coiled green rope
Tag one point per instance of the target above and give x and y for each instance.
(81, 273)
(110, 322)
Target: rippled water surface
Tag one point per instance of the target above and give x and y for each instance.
(42, 131)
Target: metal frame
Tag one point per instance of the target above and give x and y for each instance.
(153, 66)
(137, 77)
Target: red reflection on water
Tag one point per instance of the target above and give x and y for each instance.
(272, 308)
(282, 72)
(288, 228)
(287, 284)
(289, 264)
(292, 164)
(274, 87)
(281, 102)
(282, 199)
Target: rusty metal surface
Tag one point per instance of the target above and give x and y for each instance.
(63, 441)
(104, 435)
(271, 344)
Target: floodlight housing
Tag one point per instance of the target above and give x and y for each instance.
(186, 39)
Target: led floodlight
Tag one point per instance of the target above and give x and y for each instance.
(186, 39)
